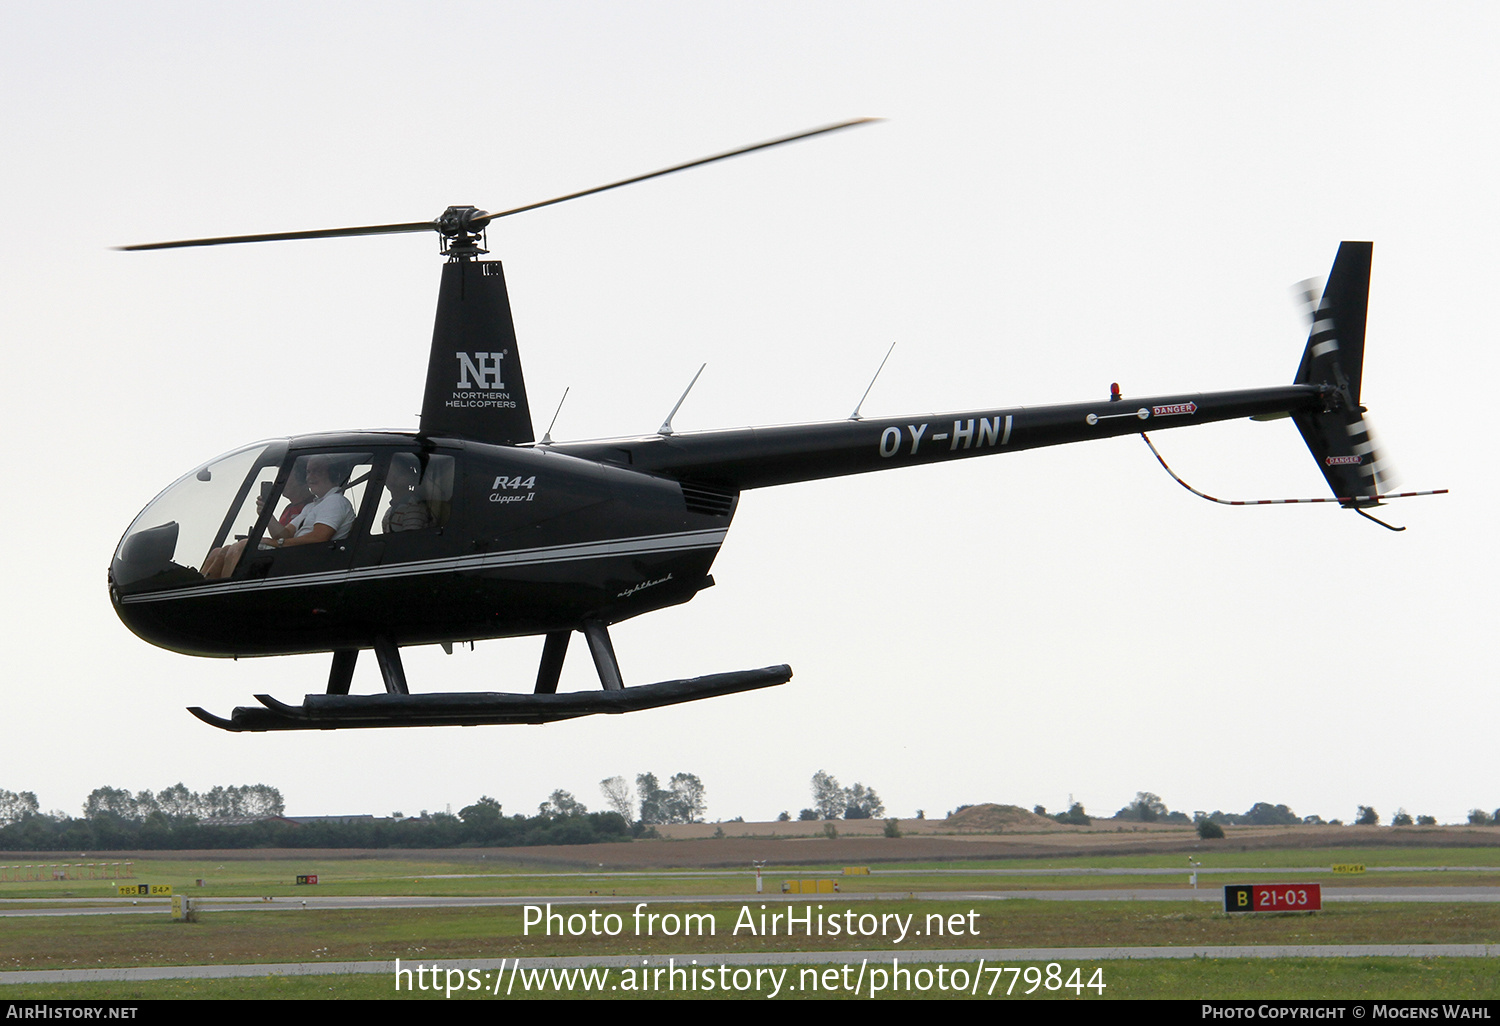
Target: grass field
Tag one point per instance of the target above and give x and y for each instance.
(431, 935)
(1394, 979)
(1478, 866)
(496, 932)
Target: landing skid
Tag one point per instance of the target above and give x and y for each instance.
(331, 712)
(397, 708)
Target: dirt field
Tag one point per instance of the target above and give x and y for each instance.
(694, 846)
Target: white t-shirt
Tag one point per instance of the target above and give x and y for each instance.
(332, 509)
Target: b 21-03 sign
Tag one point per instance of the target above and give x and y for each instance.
(1273, 897)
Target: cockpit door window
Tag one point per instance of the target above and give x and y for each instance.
(320, 498)
(418, 494)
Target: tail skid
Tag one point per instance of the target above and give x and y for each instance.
(1342, 500)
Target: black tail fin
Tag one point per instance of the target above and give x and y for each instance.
(474, 385)
(1338, 436)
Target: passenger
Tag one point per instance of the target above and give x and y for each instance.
(407, 512)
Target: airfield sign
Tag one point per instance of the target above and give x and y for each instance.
(1301, 897)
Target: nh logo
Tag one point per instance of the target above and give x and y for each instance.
(479, 370)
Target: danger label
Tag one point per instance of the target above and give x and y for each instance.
(1174, 409)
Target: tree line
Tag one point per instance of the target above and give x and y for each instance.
(683, 800)
(1149, 808)
(252, 817)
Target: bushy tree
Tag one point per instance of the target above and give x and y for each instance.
(1075, 816)
(1367, 817)
(484, 813)
(653, 799)
(250, 800)
(1208, 830)
(1426, 821)
(1478, 817)
(1147, 808)
(689, 799)
(1266, 814)
(807, 815)
(15, 807)
(1401, 818)
(618, 796)
(561, 805)
(862, 802)
(828, 797)
(267, 800)
(113, 801)
(683, 800)
(177, 800)
(221, 802)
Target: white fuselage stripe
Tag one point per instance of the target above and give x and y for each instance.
(649, 544)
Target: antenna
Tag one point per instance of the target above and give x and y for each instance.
(666, 427)
(547, 438)
(855, 414)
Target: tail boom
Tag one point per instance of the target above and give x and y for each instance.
(760, 457)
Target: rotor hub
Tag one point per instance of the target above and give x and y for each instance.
(462, 230)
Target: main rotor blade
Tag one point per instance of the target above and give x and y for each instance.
(477, 223)
(324, 233)
(684, 167)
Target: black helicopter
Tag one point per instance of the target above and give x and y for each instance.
(469, 528)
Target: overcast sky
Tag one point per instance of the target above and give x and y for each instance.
(1064, 195)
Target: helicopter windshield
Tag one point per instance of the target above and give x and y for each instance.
(171, 537)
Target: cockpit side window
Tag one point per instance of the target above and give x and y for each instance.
(418, 494)
(308, 523)
(262, 485)
(324, 488)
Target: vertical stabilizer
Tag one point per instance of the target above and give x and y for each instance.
(475, 388)
(1334, 359)
(1335, 352)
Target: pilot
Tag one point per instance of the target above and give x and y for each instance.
(408, 512)
(296, 493)
(327, 518)
(220, 563)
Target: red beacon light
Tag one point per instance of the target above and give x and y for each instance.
(1114, 392)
